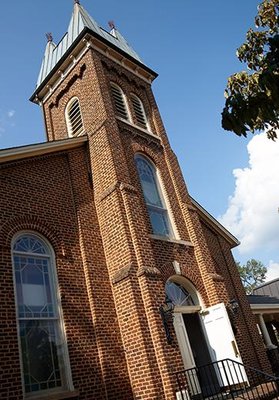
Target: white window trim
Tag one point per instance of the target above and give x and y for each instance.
(68, 121)
(167, 205)
(173, 235)
(125, 103)
(68, 375)
(171, 240)
(148, 128)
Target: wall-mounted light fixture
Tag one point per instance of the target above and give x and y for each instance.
(234, 306)
(166, 312)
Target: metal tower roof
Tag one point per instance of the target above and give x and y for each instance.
(79, 21)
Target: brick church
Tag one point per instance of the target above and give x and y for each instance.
(112, 277)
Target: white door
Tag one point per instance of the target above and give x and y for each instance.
(222, 344)
(186, 352)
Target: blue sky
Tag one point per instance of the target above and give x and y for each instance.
(192, 46)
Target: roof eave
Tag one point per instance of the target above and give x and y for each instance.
(39, 149)
(85, 31)
(232, 240)
(264, 308)
(267, 283)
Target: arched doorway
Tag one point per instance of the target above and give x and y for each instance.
(204, 336)
(186, 312)
(191, 336)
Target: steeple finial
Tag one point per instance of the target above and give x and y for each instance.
(111, 24)
(49, 36)
(76, 2)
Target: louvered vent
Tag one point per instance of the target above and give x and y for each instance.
(119, 102)
(75, 119)
(139, 112)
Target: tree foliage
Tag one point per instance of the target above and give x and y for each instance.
(252, 96)
(252, 274)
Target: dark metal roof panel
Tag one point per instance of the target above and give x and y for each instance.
(268, 289)
(255, 299)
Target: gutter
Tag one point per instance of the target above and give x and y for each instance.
(38, 149)
(264, 308)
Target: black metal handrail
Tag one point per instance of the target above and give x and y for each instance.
(226, 379)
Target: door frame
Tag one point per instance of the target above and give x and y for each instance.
(184, 344)
(182, 335)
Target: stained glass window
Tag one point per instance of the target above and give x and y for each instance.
(178, 295)
(42, 347)
(30, 244)
(156, 208)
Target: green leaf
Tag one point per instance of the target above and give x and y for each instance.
(252, 98)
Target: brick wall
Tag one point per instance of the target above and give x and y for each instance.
(125, 226)
(52, 195)
(88, 203)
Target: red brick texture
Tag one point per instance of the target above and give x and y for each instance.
(55, 199)
(89, 204)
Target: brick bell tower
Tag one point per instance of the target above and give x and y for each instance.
(92, 86)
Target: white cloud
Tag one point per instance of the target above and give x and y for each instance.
(272, 271)
(11, 113)
(252, 214)
(6, 120)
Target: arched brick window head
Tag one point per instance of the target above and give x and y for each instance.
(139, 112)
(74, 118)
(119, 101)
(154, 200)
(45, 365)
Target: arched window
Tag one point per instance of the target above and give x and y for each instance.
(119, 101)
(156, 207)
(139, 112)
(178, 295)
(43, 352)
(74, 118)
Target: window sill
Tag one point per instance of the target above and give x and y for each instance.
(61, 395)
(171, 240)
(147, 132)
(77, 134)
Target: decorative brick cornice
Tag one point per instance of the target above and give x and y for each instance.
(128, 188)
(216, 277)
(121, 274)
(108, 191)
(131, 76)
(122, 186)
(67, 87)
(148, 271)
